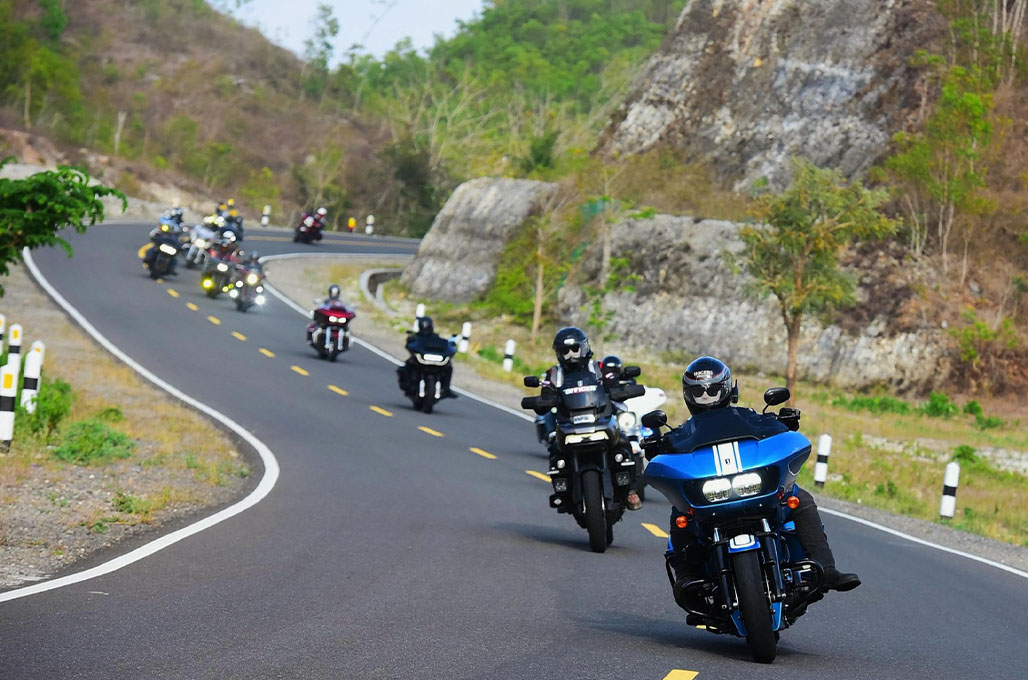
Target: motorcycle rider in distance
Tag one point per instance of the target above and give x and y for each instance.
(709, 394)
(416, 340)
(571, 345)
(333, 301)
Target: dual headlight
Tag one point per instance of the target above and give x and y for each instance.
(252, 279)
(222, 267)
(168, 250)
(588, 437)
(720, 489)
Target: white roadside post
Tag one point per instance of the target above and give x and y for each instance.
(265, 215)
(8, 392)
(30, 383)
(369, 225)
(949, 491)
(419, 312)
(824, 448)
(14, 342)
(39, 346)
(465, 336)
(508, 356)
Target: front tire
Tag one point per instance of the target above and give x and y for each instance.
(753, 605)
(595, 517)
(429, 400)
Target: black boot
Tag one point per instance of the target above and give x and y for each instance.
(840, 581)
(812, 536)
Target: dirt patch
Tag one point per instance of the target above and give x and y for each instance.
(53, 513)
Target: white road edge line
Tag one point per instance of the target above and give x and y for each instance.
(271, 468)
(836, 513)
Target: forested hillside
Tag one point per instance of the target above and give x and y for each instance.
(175, 88)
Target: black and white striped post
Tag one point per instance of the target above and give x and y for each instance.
(14, 341)
(508, 356)
(949, 491)
(3, 328)
(39, 346)
(419, 312)
(8, 393)
(824, 449)
(30, 382)
(465, 336)
(265, 215)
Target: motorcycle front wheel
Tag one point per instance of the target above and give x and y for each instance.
(754, 607)
(595, 518)
(429, 400)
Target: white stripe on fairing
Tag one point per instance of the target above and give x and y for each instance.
(726, 459)
(271, 469)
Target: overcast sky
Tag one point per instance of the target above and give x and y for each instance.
(290, 22)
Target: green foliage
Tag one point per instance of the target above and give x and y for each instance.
(973, 408)
(133, 505)
(977, 338)
(35, 209)
(54, 20)
(540, 153)
(110, 414)
(89, 442)
(965, 455)
(261, 189)
(983, 422)
(879, 404)
(939, 405)
(53, 404)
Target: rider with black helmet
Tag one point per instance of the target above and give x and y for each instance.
(425, 335)
(574, 355)
(709, 393)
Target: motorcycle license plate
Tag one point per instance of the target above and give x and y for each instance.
(582, 419)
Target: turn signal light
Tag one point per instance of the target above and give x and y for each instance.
(681, 522)
(792, 502)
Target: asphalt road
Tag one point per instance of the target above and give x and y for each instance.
(389, 549)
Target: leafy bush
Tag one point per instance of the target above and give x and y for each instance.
(92, 442)
(130, 504)
(110, 414)
(879, 404)
(939, 405)
(966, 455)
(53, 404)
(973, 408)
(983, 422)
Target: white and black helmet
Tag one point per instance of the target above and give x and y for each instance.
(707, 384)
(571, 346)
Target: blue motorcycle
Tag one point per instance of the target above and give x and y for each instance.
(732, 476)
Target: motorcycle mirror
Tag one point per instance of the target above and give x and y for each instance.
(776, 395)
(631, 372)
(654, 420)
(532, 381)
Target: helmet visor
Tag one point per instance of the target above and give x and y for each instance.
(573, 351)
(705, 395)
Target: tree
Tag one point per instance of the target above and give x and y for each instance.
(794, 253)
(34, 210)
(318, 51)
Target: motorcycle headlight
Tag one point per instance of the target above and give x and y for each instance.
(627, 420)
(260, 299)
(715, 490)
(222, 267)
(207, 283)
(200, 243)
(252, 279)
(747, 484)
(168, 250)
(433, 357)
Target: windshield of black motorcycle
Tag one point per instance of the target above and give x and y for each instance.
(584, 399)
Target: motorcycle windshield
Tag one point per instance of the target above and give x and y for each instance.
(432, 344)
(722, 425)
(583, 398)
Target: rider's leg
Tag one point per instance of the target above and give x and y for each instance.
(812, 536)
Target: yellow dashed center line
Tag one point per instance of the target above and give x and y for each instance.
(681, 675)
(654, 529)
(381, 411)
(192, 306)
(338, 390)
(428, 430)
(172, 292)
(159, 280)
(214, 320)
(538, 475)
(484, 454)
(238, 336)
(267, 352)
(299, 370)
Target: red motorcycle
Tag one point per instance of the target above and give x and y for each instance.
(329, 332)
(309, 229)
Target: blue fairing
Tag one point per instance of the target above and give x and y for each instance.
(778, 457)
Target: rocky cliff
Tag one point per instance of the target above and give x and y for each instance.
(458, 257)
(748, 84)
(688, 299)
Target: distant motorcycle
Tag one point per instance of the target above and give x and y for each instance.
(247, 287)
(202, 238)
(308, 230)
(165, 244)
(329, 332)
(595, 468)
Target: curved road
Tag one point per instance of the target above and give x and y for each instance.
(390, 549)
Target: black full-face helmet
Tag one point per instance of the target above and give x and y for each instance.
(707, 384)
(612, 366)
(333, 292)
(425, 325)
(571, 346)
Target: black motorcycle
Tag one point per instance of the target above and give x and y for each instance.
(595, 468)
(161, 260)
(421, 380)
(247, 287)
(217, 277)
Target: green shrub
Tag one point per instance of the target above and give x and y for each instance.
(110, 414)
(973, 408)
(130, 504)
(966, 455)
(880, 404)
(983, 422)
(53, 404)
(92, 442)
(939, 405)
